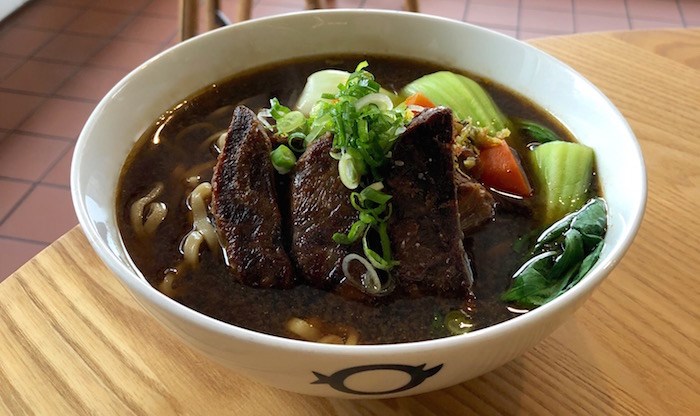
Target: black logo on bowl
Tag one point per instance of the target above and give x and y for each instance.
(336, 380)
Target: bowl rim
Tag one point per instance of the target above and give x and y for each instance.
(134, 281)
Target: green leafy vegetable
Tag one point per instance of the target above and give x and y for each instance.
(537, 132)
(563, 172)
(466, 98)
(562, 255)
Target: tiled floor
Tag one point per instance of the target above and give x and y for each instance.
(59, 57)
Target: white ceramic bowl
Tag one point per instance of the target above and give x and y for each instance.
(353, 371)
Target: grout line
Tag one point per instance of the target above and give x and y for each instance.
(42, 176)
(680, 11)
(16, 180)
(24, 240)
(44, 136)
(51, 94)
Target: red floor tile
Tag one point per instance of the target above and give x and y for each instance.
(444, 8)
(28, 157)
(22, 41)
(653, 10)
(546, 21)
(124, 54)
(503, 3)
(595, 22)
(344, 4)
(16, 107)
(38, 77)
(98, 23)
(68, 48)
(265, 10)
(46, 16)
(508, 32)
(691, 11)
(607, 7)
(72, 3)
(487, 15)
(166, 8)
(150, 28)
(561, 5)
(14, 253)
(33, 220)
(8, 64)
(60, 173)
(125, 6)
(12, 193)
(58, 117)
(91, 83)
(384, 4)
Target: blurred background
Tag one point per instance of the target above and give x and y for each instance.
(59, 57)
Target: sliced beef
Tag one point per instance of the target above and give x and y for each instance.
(245, 205)
(320, 207)
(475, 203)
(425, 227)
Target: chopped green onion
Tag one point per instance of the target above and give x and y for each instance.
(297, 142)
(283, 159)
(291, 122)
(356, 230)
(365, 124)
(348, 172)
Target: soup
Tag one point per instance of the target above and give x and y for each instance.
(164, 190)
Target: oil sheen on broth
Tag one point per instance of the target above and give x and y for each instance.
(175, 148)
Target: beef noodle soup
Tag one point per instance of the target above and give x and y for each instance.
(422, 216)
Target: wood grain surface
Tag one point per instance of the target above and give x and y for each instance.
(72, 341)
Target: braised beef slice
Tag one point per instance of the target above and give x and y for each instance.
(320, 207)
(475, 203)
(245, 205)
(425, 227)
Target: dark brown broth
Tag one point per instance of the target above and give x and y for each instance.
(211, 290)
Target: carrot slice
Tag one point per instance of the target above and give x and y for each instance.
(501, 170)
(420, 100)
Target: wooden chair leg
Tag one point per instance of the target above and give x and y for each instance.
(212, 7)
(411, 5)
(188, 19)
(244, 9)
(313, 4)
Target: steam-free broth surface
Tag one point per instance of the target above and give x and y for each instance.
(174, 149)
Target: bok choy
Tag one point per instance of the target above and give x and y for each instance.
(466, 98)
(561, 256)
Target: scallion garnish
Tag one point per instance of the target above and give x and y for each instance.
(283, 159)
(364, 123)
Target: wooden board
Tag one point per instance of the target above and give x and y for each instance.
(72, 341)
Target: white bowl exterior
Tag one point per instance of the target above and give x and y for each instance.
(132, 106)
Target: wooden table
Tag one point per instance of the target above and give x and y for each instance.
(72, 341)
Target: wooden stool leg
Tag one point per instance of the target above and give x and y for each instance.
(188, 19)
(244, 9)
(212, 7)
(411, 5)
(313, 4)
